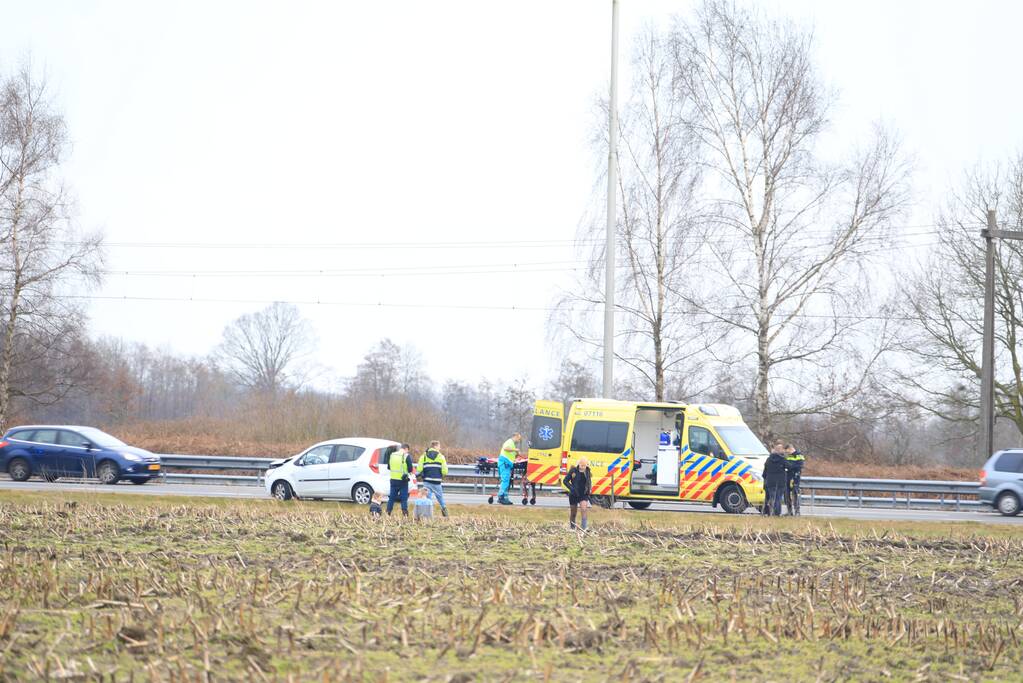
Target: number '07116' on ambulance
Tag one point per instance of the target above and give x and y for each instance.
(647, 452)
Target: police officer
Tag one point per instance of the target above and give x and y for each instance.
(433, 467)
(400, 465)
(793, 473)
(774, 479)
(505, 463)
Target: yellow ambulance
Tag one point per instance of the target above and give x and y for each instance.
(643, 452)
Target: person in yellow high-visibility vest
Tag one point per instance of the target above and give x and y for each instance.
(505, 463)
(400, 465)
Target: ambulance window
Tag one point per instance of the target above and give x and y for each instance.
(545, 433)
(592, 436)
(702, 441)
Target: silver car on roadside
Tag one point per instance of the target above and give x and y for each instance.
(1001, 481)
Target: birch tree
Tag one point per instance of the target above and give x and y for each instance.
(657, 230)
(791, 233)
(42, 255)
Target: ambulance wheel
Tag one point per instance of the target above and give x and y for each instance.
(732, 499)
(639, 504)
(490, 500)
(606, 502)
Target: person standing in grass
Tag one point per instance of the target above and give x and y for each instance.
(794, 460)
(775, 479)
(505, 464)
(433, 467)
(400, 465)
(579, 482)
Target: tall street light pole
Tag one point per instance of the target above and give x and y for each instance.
(612, 219)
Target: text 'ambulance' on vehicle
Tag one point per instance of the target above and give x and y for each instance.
(643, 452)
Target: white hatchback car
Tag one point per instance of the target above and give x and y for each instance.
(339, 468)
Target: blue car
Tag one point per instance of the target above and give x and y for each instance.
(52, 452)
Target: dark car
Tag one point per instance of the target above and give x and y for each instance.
(51, 452)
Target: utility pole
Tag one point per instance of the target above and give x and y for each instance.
(986, 443)
(987, 364)
(612, 218)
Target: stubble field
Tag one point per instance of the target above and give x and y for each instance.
(97, 588)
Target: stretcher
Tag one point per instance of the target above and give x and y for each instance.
(488, 466)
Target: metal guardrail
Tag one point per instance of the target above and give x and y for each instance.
(958, 494)
(841, 491)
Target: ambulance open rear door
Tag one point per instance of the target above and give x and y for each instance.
(545, 443)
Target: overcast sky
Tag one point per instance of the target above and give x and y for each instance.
(396, 145)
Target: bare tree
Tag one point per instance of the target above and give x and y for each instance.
(388, 370)
(574, 380)
(264, 351)
(515, 404)
(791, 232)
(42, 256)
(946, 305)
(657, 228)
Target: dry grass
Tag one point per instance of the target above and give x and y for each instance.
(173, 590)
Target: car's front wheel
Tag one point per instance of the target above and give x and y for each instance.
(1008, 504)
(19, 469)
(281, 490)
(362, 493)
(732, 499)
(108, 472)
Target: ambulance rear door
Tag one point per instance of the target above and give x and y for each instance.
(545, 443)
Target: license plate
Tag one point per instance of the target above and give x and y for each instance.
(154, 467)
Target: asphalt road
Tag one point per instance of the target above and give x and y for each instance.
(214, 491)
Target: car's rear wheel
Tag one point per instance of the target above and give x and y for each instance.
(281, 490)
(362, 493)
(19, 469)
(1008, 504)
(638, 504)
(732, 499)
(108, 472)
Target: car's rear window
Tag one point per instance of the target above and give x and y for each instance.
(1011, 461)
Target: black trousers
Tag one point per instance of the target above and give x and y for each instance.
(792, 489)
(774, 487)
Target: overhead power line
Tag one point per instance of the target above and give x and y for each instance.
(435, 270)
(908, 230)
(467, 307)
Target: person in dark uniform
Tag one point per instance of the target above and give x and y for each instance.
(775, 479)
(794, 471)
